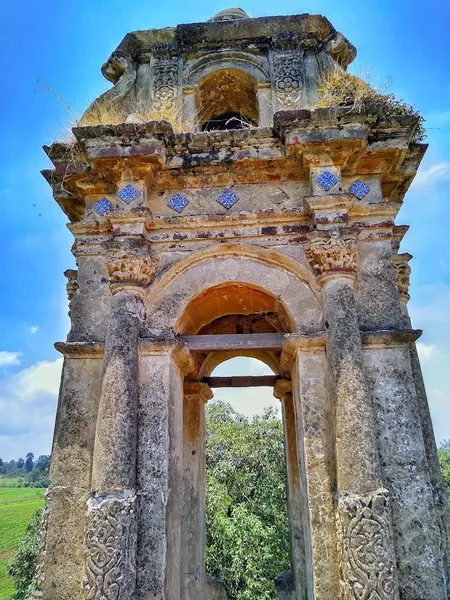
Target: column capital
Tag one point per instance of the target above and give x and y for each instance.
(332, 254)
(197, 389)
(131, 264)
(403, 272)
(299, 342)
(172, 346)
(281, 388)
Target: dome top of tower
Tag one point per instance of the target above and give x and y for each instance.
(229, 14)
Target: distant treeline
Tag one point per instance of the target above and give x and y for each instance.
(25, 471)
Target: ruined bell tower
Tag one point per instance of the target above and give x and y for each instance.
(218, 212)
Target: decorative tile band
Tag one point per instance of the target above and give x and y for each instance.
(227, 198)
(359, 189)
(327, 180)
(102, 206)
(178, 202)
(128, 193)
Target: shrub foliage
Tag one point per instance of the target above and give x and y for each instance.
(23, 565)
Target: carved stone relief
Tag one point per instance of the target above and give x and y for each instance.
(367, 549)
(332, 252)
(165, 81)
(288, 79)
(403, 272)
(72, 283)
(110, 568)
(130, 263)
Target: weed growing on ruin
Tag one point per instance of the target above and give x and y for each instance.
(339, 89)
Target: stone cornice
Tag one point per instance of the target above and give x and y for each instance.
(157, 345)
(281, 388)
(300, 342)
(316, 342)
(352, 142)
(167, 343)
(261, 31)
(197, 389)
(387, 338)
(81, 349)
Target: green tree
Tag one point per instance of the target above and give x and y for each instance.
(20, 463)
(246, 510)
(43, 463)
(29, 462)
(23, 564)
(444, 459)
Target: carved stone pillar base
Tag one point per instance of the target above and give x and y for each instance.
(367, 548)
(111, 540)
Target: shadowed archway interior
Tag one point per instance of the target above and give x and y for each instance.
(227, 99)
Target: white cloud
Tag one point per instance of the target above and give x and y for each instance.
(41, 378)
(247, 401)
(27, 409)
(34, 329)
(426, 351)
(432, 174)
(9, 358)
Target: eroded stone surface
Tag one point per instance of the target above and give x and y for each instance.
(296, 253)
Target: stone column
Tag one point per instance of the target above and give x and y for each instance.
(439, 489)
(304, 358)
(60, 568)
(283, 391)
(164, 361)
(388, 366)
(190, 112)
(265, 104)
(193, 534)
(110, 569)
(363, 513)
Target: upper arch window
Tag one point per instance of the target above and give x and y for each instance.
(227, 99)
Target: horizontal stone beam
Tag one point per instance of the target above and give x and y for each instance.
(244, 381)
(235, 341)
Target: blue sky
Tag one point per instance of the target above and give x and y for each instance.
(64, 43)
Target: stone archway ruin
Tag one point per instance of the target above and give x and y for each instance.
(276, 241)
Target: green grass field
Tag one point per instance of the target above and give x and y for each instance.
(17, 506)
(12, 482)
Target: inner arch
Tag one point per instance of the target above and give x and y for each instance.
(234, 308)
(228, 99)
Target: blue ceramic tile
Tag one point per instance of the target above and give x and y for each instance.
(102, 206)
(128, 193)
(227, 198)
(327, 180)
(359, 189)
(178, 202)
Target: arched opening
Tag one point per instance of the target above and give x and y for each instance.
(227, 99)
(239, 450)
(237, 292)
(247, 527)
(234, 308)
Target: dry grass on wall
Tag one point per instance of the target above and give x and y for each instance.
(102, 113)
(339, 89)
